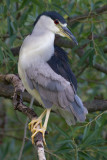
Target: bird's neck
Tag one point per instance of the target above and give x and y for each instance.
(39, 46)
(44, 43)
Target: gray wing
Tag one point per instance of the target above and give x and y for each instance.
(54, 90)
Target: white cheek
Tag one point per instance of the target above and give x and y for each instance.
(47, 23)
(52, 26)
(55, 29)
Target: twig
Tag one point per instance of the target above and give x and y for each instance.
(51, 153)
(9, 135)
(94, 119)
(25, 129)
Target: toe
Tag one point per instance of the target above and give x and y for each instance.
(42, 130)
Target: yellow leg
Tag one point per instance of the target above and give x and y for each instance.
(35, 130)
(46, 119)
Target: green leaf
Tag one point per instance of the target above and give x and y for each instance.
(62, 132)
(86, 130)
(85, 56)
(91, 56)
(8, 52)
(81, 29)
(1, 56)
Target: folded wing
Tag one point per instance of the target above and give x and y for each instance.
(56, 91)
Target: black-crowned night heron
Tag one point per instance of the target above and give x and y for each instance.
(46, 74)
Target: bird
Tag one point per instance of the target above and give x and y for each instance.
(45, 72)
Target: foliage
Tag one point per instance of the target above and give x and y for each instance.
(80, 142)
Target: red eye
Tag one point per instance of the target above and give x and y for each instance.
(56, 21)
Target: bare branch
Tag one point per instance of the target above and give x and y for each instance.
(7, 91)
(18, 105)
(96, 105)
(100, 68)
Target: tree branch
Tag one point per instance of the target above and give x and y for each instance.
(18, 105)
(87, 15)
(96, 105)
(7, 90)
(100, 68)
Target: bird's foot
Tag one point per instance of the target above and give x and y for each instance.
(33, 127)
(37, 130)
(34, 123)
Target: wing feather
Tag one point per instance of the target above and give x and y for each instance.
(59, 63)
(52, 88)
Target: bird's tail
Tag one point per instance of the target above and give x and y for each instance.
(75, 112)
(78, 109)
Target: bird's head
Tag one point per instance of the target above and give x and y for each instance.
(54, 22)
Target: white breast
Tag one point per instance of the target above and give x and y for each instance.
(36, 49)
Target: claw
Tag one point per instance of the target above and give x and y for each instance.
(42, 130)
(34, 123)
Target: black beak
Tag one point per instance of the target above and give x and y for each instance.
(69, 34)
